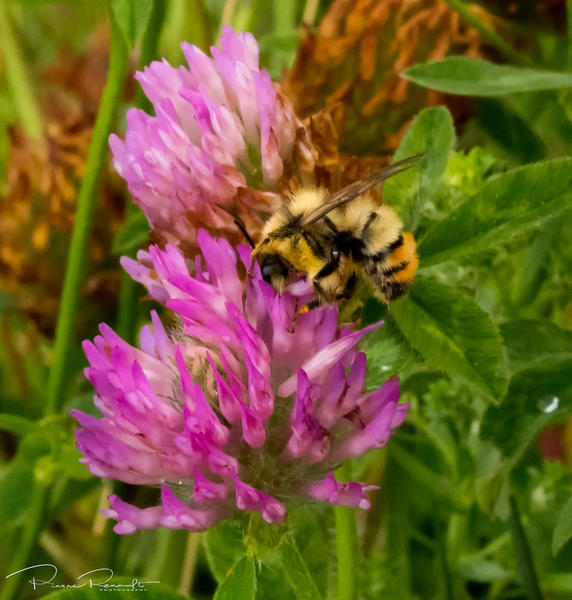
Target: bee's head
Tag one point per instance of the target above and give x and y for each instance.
(275, 269)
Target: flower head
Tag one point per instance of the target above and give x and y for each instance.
(245, 405)
(223, 135)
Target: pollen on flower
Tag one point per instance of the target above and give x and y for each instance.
(248, 406)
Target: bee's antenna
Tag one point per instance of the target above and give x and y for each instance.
(239, 223)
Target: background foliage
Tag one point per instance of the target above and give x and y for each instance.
(473, 504)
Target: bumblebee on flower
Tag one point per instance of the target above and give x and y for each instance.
(246, 404)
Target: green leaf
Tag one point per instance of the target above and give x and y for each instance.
(131, 17)
(505, 206)
(296, 571)
(239, 583)
(19, 477)
(67, 462)
(557, 583)
(510, 130)
(313, 533)
(15, 424)
(435, 483)
(388, 354)
(453, 334)
(482, 570)
(271, 583)
(537, 396)
(224, 546)
(127, 588)
(531, 268)
(563, 529)
(133, 234)
(528, 341)
(478, 77)
(491, 484)
(432, 133)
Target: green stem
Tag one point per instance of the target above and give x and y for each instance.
(284, 15)
(200, 30)
(227, 13)
(84, 216)
(129, 292)
(189, 563)
(256, 8)
(28, 541)
(149, 44)
(310, 12)
(346, 546)
(24, 97)
(158, 564)
(523, 554)
(492, 36)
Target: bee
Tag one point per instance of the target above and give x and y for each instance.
(333, 239)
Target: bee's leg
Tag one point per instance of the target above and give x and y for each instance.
(389, 288)
(394, 290)
(239, 223)
(314, 304)
(322, 297)
(349, 289)
(321, 293)
(372, 217)
(331, 225)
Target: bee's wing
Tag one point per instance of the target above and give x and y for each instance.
(359, 187)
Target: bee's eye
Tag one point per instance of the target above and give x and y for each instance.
(335, 254)
(267, 271)
(273, 265)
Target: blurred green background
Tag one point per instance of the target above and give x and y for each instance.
(476, 499)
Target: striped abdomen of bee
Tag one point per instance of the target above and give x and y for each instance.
(393, 269)
(371, 235)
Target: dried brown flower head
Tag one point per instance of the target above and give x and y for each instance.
(351, 67)
(38, 207)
